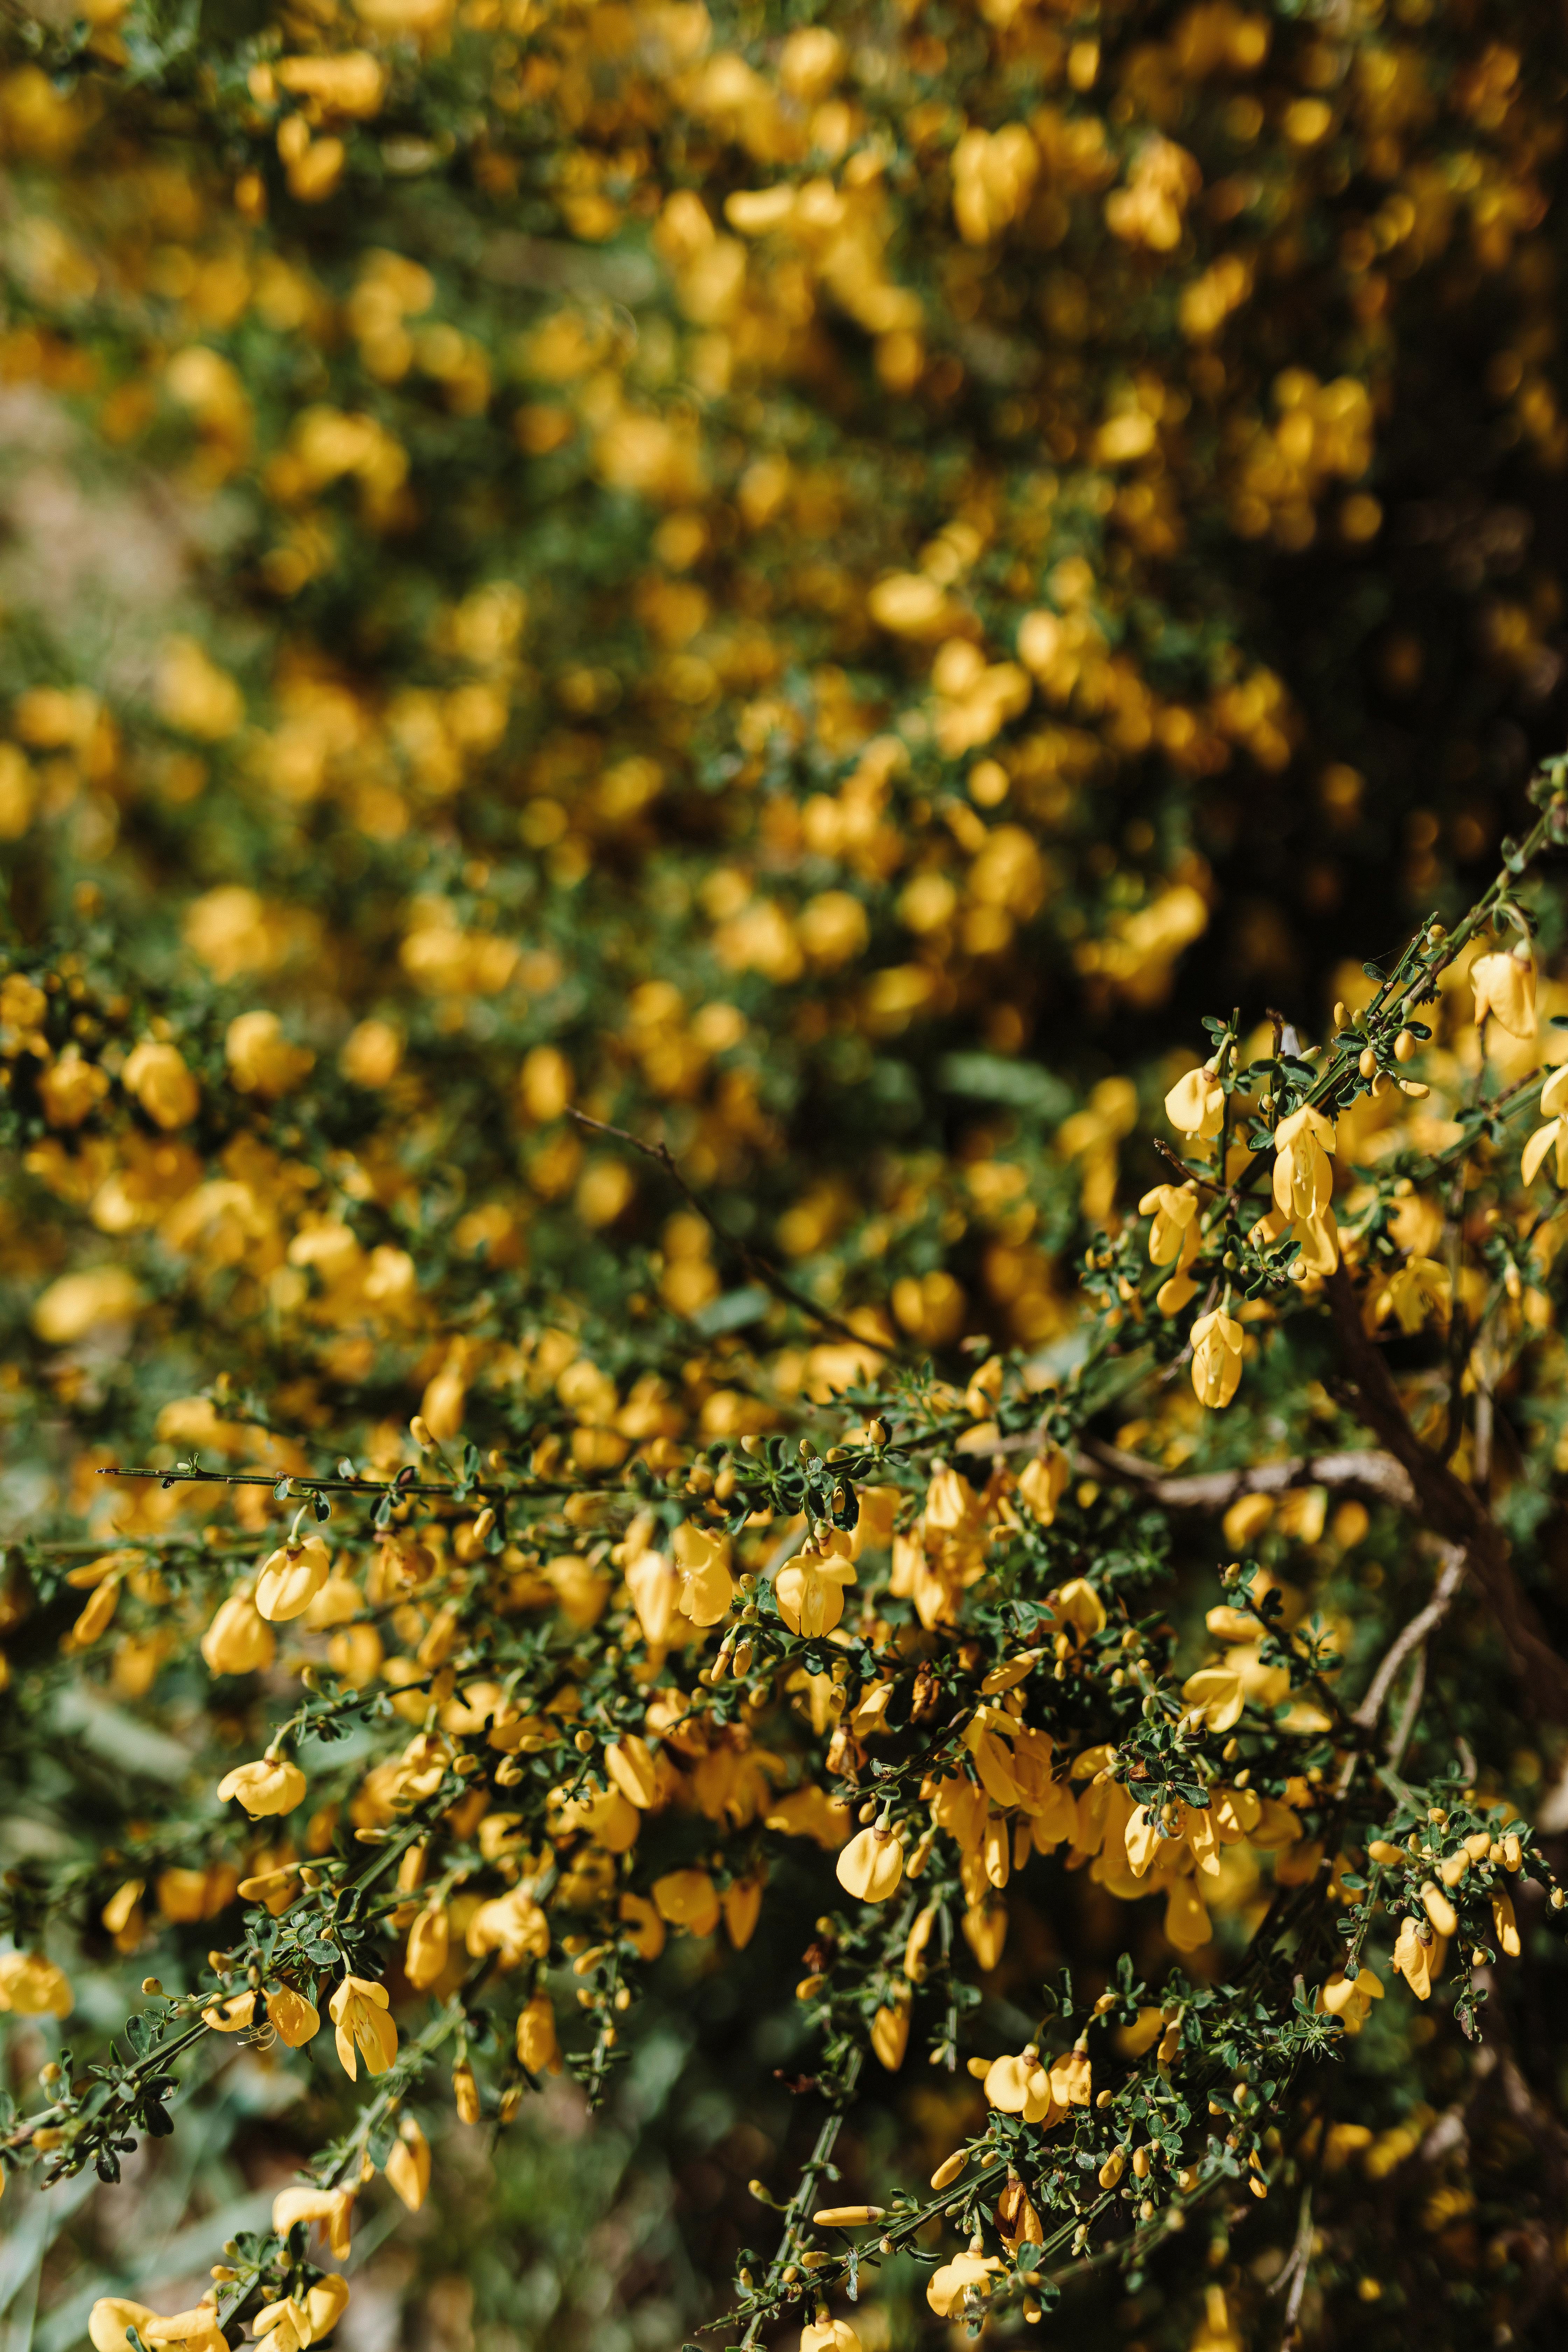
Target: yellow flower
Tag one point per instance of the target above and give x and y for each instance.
(654, 1583)
(1215, 1692)
(890, 2033)
(1215, 2333)
(810, 1592)
(33, 1987)
(1043, 1482)
(231, 2016)
(829, 2336)
(1418, 1287)
(238, 1640)
(260, 1059)
(642, 1925)
(512, 1925)
(1318, 1241)
(742, 1905)
(109, 2317)
(1418, 1955)
(1021, 2086)
(1187, 1924)
(1195, 1105)
(197, 2327)
(1173, 1235)
(295, 2020)
(156, 1074)
(120, 1909)
(1505, 988)
(409, 2166)
(687, 1899)
(706, 1586)
(1217, 1357)
(870, 1866)
(1350, 1999)
(290, 1579)
(1177, 1290)
(1077, 1605)
(272, 1785)
(333, 2206)
(466, 2092)
(70, 1088)
(537, 2047)
(630, 1764)
(426, 1955)
(1553, 1103)
(1303, 1181)
(325, 2304)
(953, 2283)
(358, 2010)
(282, 2327)
(1504, 1922)
(986, 1930)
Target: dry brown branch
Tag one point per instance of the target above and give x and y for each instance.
(1451, 1510)
(1373, 1476)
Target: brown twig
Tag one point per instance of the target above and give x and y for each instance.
(1451, 1509)
(758, 1267)
(1377, 1477)
(1412, 1637)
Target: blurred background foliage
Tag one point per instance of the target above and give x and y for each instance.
(815, 581)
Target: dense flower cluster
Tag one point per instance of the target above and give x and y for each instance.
(637, 640)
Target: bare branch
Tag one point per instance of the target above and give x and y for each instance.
(758, 1267)
(1377, 1477)
(1414, 1634)
(1452, 1510)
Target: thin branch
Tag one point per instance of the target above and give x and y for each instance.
(1414, 1634)
(1376, 1476)
(1411, 1715)
(1451, 1509)
(304, 1483)
(758, 1267)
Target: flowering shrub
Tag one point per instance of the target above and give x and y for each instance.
(638, 641)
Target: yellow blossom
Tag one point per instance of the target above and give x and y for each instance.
(951, 2284)
(409, 2166)
(890, 2033)
(1419, 1953)
(828, 2336)
(1504, 983)
(331, 2207)
(231, 2016)
(689, 1899)
(290, 1579)
(426, 1955)
(1173, 1236)
(537, 2047)
(295, 2020)
(871, 1865)
(358, 2010)
(706, 1587)
(33, 1986)
(272, 1785)
(1350, 1999)
(1303, 1181)
(1216, 1693)
(810, 1592)
(238, 1640)
(1217, 1357)
(1195, 1105)
(1554, 1135)
(1042, 1481)
(157, 1075)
